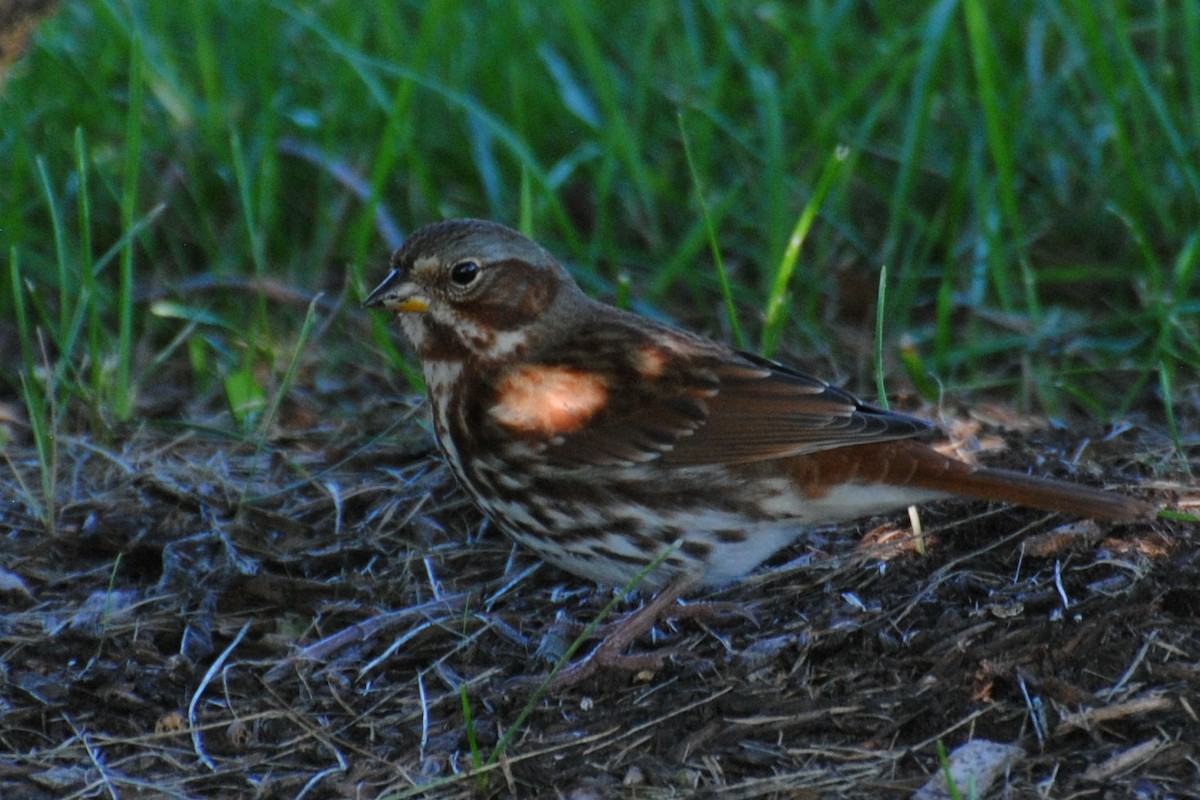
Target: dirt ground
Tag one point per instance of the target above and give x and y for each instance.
(323, 615)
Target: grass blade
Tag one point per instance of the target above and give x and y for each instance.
(776, 315)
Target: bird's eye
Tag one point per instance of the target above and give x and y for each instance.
(464, 273)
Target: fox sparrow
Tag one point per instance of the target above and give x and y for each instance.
(603, 440)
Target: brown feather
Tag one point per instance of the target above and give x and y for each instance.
(916, 465)
(770, 411)
(688, 401)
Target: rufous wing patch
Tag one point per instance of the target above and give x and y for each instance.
(650, 361)
(548, 401)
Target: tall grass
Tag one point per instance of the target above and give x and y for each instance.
(1028, 178)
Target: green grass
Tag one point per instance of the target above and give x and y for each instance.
(1029, 179)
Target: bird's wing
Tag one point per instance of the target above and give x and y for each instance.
(626, 396)
(765, 410)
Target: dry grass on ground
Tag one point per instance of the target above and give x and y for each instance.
(152, 644)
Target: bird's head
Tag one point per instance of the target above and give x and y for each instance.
(474, 289)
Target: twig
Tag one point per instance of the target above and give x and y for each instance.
(208, 676)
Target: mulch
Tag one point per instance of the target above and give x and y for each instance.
(320, 613)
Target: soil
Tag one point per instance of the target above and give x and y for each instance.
(322, 614)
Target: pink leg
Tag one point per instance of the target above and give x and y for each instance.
(611, 651)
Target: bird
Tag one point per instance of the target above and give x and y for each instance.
(618, 447)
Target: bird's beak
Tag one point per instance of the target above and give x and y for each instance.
(397, 295)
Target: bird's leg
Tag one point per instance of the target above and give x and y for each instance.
(611, 651)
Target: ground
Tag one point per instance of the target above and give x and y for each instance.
(322, 614)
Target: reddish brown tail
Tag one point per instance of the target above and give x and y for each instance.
(986, 483)
(909, 463)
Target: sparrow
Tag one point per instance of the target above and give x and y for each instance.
(613, 445)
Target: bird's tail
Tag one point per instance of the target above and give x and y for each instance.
(932, 470)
